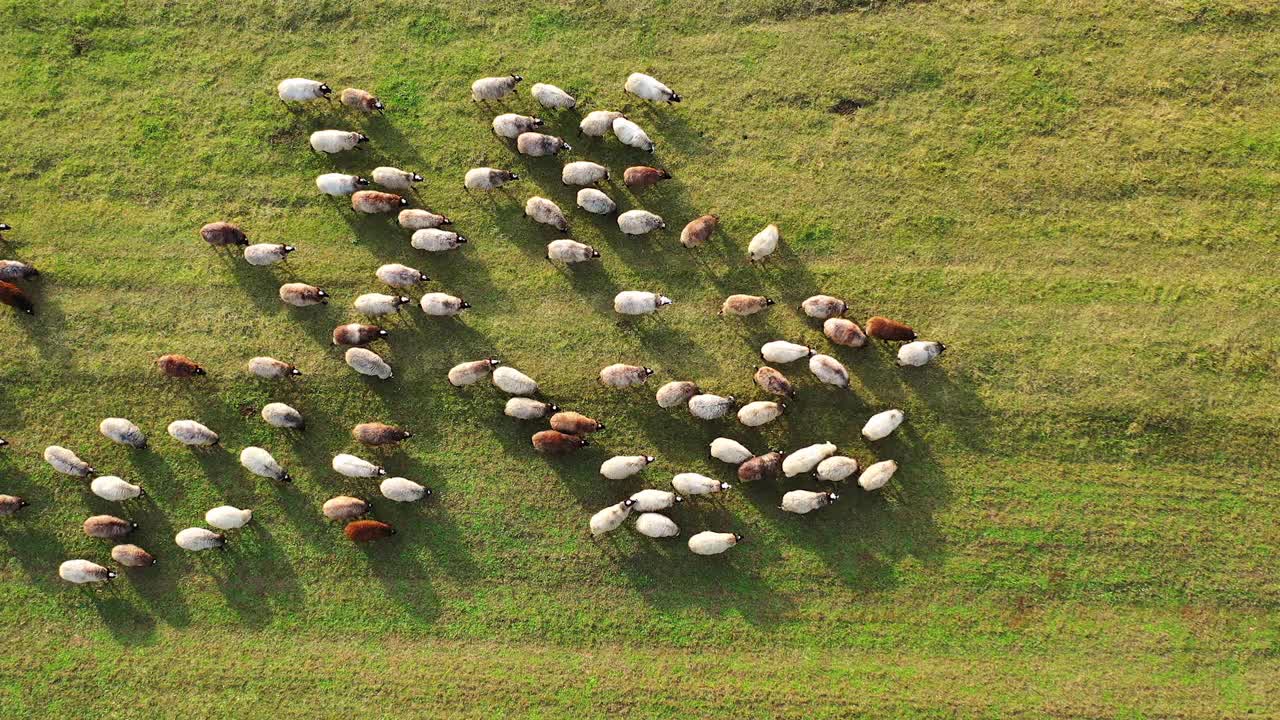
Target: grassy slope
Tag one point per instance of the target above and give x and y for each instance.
(1078, 200)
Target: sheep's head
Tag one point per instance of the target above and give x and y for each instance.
(516, 78)
(382, 333)
(377, 105)
(647, 371)
(288, 249)
(362, 138)
(538, 122)
(465, 305)
(362, 182)
(596, 254)
(198, 371)
(648, 459)
(286, 477)
(403, 202)
(325, 89)
(565, 146)
(582, 442)
(111, 574)
(675, 98)
(462, 239)
(737, 538)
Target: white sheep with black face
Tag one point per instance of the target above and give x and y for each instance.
(302, 90)
(80, 572)
(418, 219)
(438, 304)
(472, 371)
(270, 368)
(621, 375)
(656, 526)
(695, 484)
(570, 251)
(764, 244)
(882, 424)
(529, 409)
(494, 88)
(802, 502)
(277, 414)
(829, 370)
(340, 184)
(335, 141)
(760, 412)
(877, 475)
(596, 202)
(114, 489)
(228, 517)
(807, 458)
(400, 276)
(539, 145)
(598, 123)
(261, 463)
(632, 134)
(513, 125)
(919, 353)
(647, 87)
(650, 500)
(396, 179)
(708, 542)
(263, 254)
(542, 210)
(67, 462)
(610, 518)
(640, 222)
(120, 430)
(367, 362)
(436, 240)
(552, 97)
(487, 178)
(639, 302)
(583, 172)
(190, 432)
(708, 406)
(730, 451)
(355, 467)
(378, 304)
(403, 490)
(621, 467)
(197, 539)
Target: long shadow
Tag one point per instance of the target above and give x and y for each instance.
(427, 520)
(255, 574)
(394, 562)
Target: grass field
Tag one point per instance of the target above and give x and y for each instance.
(1079, 198)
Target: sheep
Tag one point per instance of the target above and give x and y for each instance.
(400, 276)
(279, 415)
(357, 334)
(340, 184)
(638, 302)
(197, 539)
(802, 502)
(440, 304)
(710, 407)
(367, 530)
(639, 222)
(877, 475)
(395, 178)
(554, 442)
(760, 412)
(376, 434)
(844, 332)
(699, 230)
(132, 556)
(493, 88)
(743, 305)
(302, 90)
(108, 527)
(729, 451)
(583, 173)
(16, 298)
(656, 526)
(763, 244)
(695, 484)
(774, 382)
(227, 517)
(639, 177)
(542, 210)
(575, 423)
(610, 518)
(647, 87)
(367, 362)
(399, 489)
(513, 382)
(469, 372)
(761, 467)
(335, 141)
(378, 304)
(270, 368)
(528, 409)
(882, 424)
(352, 466)
(303, 295)
(487, 178)
(362, 100)
(918, 353)
(829, 370)
(344, 508)
(882, 328)
(190, 432)
(67, 462)
(513, 125)
(178, 366)
(676, 392)
(620, 375)
(807, 458)
(598, 123)
(436, 240)
(372, 202)
(114, 489)
(713, 543)
(570, 251)
(621, 467)
(264, 254)
(632, 135)
(824, 307)
(651, 500)
(836, 468)
(550, 96)
(781, 351)
(222, 234)
(260, 463)
(83, 571)
(120, 430)
(11, 270)
(416, 219)
(539, 145)
(11, 504)
(596, 202)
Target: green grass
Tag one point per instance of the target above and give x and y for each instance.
(1079, 199)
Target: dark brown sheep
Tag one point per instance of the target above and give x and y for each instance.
(222, 234)
(554, 442)
(882, 328)
(14, 297)
(699, 231)
(10, 504)
(642, 176)
(574, 423)
(761, 467)
(179, 366)
(774, 382)
(357, 335)
(108, 527)
(132, 556)
(376, 433)
(367, 530)
(372, 201)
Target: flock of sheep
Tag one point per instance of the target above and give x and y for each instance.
(567, 430)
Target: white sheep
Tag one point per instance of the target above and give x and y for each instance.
(829, 370)
(529, 409)
(277, 414)
(695, 484)
(638, 302)
(877, 475)
(763, 244)
(302, 295)
(781, 351)
(707, 406)
(882, 424)
(190, 432)
(263, 254)
(570, 251)
(487, 178)
(918, 353)
(436, 240)
(824, 307)
(227, 517)
(647, 87)
(807, 458)
(417, 219)
(367, 362)
(196, 539)
(403, 490)
(378, 304)
(395, 178)
(656, 526)
(650, 500)
(676, 393)
(494, 88)
(400, 276)
(802, 502)
(440, 304)
(836, 468)
(270, 368)
(513, 125)
(730, 451)
(596, 202)
(621, 375)
(120, 430)
(513, 382)
(712, 543)
(469, 372)
(760, 412)
(260, 463)
(583, 172)
(352, 466)
(539, 145)
(542, 210)
(621, 467)
(302, 90)
(639, 222)
(632, 135)
(610, 518)
(340, 184)
(84, 571)
(335, 141)
(67, 462)
(598, 123)
(550, 96)
(110, 487)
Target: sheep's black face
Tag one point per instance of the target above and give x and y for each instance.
(323, 294)
(417, 177)
(738, 538)
(295, 372)
(111, 575)
(5, 226)
(595, 253)
(665, 175)
(382, 333)
(325, 89)
(199, 371)
(407, 434)
(362, 182)
(537, 122)
(362, 139)
(466, 305)
(517, 78)
(377, 105)
(675, 98)
(403, 202)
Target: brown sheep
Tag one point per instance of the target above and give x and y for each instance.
(376, 433)
(14, 297)
(844, 332)
(132, 556)
(222, 234)
(356, 334)
(742, 305)
(372, 201)
(699, 231)
(574, 423)
(345, 507)
(108, 527)
(367, 530)
(774, 382)
(361, 100)
(761, 467)
(179, 366)
(882, 328)
(11, 504)
(554, 442)
(642, 176)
